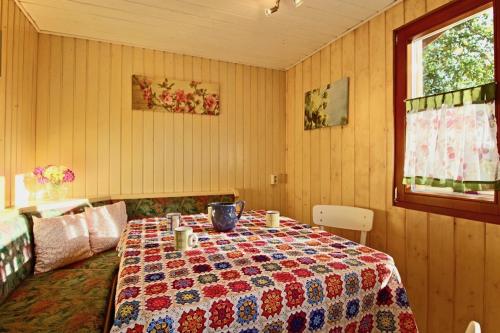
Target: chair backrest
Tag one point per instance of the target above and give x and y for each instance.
(473, 327)
(344, 217)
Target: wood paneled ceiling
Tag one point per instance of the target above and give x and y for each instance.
(229, 30)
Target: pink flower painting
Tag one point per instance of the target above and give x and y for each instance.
(175, 96)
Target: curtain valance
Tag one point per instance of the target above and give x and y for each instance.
(474, 95)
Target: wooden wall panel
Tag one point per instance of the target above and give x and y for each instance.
(441, 273)
(168, 59)
(336, 135)
(377, 123)
(79, 117)
(148, 144)
(470, 266)
(17, 95)
(115, 100)
(492, 279)
(298, 115)
(449, 266)
(325, 156)
(91, 119)
(67, 102)
(231, 163)
(85, 120)
(79, 102)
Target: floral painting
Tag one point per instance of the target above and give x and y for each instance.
(327, 106)
(175, 95)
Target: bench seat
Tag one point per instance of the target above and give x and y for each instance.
(78, 297)
(71, 299)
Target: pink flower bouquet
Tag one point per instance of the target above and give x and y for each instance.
(53, 174)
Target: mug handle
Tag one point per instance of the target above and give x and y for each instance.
(241, 204)
(192, 240)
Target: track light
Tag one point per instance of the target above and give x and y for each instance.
(274, 9)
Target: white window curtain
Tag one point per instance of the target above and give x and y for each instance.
(451, 141)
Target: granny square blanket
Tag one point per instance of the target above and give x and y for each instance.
(295, 278)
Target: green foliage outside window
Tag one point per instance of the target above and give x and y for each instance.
(460, 57)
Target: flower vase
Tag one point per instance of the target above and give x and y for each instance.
(57, 192)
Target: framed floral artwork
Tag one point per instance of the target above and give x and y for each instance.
(328, 106)
(175, 95)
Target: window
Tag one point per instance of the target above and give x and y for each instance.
(446, 145)
(458, 56)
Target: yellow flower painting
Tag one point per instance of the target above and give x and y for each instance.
(327, 106)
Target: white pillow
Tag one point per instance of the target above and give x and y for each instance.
(106, 224)
(60, 241)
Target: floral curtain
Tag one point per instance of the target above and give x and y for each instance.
(451, 140)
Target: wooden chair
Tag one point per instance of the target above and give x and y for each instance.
(344, 217)
(473, 327)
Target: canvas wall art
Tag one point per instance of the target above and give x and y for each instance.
(329, 106)
(175, 95)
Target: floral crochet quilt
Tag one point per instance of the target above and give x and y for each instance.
(295, 278)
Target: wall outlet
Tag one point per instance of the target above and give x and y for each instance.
(274, 179)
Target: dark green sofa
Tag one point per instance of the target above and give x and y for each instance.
(75, 298)
(78, 297)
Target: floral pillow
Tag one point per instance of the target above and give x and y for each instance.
(60, 241)
(106, 224)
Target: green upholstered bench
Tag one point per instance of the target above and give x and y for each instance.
(78, 297)
(75, 298)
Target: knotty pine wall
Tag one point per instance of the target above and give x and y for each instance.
(450, 266)
(85, 121)
(17, 95)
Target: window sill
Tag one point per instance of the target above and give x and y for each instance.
(454, 212)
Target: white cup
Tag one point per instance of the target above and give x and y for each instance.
(273, 219)
(185, 238)
(176, 222)
(209, 212)
(173, 221)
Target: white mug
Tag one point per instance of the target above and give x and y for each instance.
(173, 221)
(185, 238)
(209, 212)
(273, 219)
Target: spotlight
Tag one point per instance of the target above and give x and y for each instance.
(274, 9)
(270, 11)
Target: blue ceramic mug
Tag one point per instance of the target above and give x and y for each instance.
(225, 216)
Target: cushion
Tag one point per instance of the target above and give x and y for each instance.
(64, 300)
(106, 224)
(60, 241)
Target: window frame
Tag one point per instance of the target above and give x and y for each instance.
(486, 211)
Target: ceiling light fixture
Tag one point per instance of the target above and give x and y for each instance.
(297, 3)
(274, 9)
